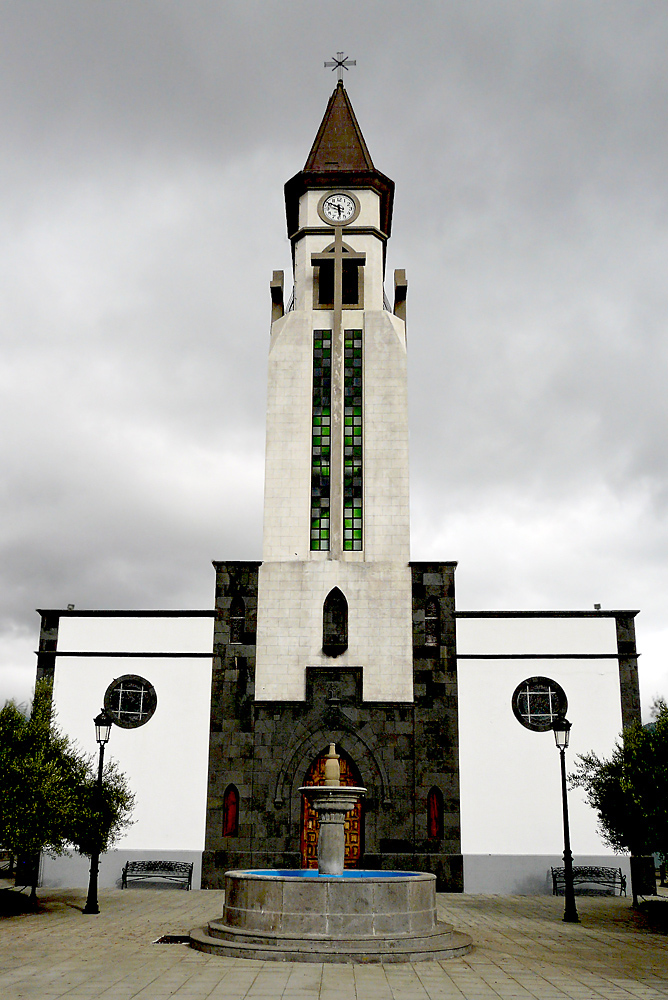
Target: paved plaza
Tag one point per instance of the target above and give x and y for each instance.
(523, 951)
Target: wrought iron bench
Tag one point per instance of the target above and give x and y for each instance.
(176, 871)
(610, 878)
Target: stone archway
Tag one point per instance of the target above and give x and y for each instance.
(354, 822)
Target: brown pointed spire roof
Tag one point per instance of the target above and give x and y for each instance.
(339, 144)
(339, 158)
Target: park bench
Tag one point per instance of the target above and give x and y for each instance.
(176, 871)
(610, 878)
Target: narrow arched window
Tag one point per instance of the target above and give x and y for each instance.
(231, 812)
(335, 623)
(435, 814)
(237, 620)
(432, 623)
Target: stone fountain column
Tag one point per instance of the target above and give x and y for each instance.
(332, 801)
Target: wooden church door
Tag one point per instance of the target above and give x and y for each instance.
(353, 821)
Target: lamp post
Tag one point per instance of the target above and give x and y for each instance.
(102, 724)
(562, 730)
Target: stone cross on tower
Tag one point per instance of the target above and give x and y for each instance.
(339, 63)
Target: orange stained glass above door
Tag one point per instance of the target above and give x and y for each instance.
(353, 821)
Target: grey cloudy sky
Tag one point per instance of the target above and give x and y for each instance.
(146, 145)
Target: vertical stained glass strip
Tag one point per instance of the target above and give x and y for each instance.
(352, 440)
(320, 439)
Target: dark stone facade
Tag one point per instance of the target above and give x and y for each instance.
(401, 750)
(629, 685)
(48, 642)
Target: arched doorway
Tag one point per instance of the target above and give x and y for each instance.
(354, 819)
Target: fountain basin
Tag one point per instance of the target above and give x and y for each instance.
(331, 905)
(371, 916)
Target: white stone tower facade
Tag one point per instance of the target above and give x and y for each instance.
(336, 513)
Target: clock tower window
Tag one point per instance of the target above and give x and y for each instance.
(352, 279)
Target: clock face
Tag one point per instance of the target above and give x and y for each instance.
(339, 208)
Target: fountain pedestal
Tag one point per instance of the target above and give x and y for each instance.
(331, 804)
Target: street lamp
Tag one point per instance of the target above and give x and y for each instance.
(562, 731)
(103, 725)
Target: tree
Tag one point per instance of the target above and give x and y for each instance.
(629, 791)
(100, 816)
(48, 788)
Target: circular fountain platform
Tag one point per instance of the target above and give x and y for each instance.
(303, 916)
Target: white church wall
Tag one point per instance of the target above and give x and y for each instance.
(165, 760)
(530, 635)
(115, 634)
(510, 776)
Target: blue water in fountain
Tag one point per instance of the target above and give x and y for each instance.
(314, 873)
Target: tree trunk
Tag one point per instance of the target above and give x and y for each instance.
(643, 877)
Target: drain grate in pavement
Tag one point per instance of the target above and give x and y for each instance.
(173, 939)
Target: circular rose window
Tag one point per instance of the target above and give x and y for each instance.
(130, 700)
(537, 702)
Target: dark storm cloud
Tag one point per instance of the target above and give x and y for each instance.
(146, 145)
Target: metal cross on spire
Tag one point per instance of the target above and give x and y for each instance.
(339, 63)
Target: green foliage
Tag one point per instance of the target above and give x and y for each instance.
(630, 790)
(100, 815)
(48, 787)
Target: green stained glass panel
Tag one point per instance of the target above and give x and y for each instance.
(353, 443)
(320, 437)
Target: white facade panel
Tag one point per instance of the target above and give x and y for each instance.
(508, 636)
(100, 634)
(287, 490)
(165, 760)
(290, 620)
(509, 775)
(386, 486)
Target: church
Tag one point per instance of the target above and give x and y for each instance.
(443, 714)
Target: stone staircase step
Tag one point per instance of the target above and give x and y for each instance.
(441, 943)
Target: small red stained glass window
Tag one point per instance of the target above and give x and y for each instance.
(231, 812)
(435, 814)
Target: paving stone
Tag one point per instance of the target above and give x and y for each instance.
(522, 950)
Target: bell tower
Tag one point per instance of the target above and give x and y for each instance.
(336, 512)
(335, 636)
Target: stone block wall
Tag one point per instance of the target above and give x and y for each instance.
(231, 735)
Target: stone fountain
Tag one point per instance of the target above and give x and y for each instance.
(332, 914)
